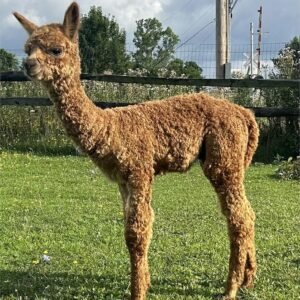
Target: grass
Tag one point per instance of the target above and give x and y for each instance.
(64, 208)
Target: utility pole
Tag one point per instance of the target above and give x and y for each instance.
(259, 40)
(223, 16)
(251, 50)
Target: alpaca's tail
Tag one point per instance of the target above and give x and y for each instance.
(253, 134)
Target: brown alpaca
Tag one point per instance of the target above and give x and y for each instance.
(131, 145)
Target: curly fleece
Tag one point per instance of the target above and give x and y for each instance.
(133, 144)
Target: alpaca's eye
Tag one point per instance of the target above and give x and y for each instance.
(55, 51)
(28, 49)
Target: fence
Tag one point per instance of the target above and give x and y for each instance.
(232, 83)
(204, 55)
(29, 123)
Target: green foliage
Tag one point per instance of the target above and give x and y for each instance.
(179, 68)
(155, 46)
(102, 44)
(289, 169)
(102, 48)
(287, 66)
(176, 66)
(242, 96)
(192, 70)
(64, 207)
(8, 61)
(277, 135)
(288, 61)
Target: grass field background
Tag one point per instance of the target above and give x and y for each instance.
(64, 208)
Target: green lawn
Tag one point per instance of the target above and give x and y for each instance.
(64, 208)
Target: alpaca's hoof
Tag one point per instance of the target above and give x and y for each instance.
(230, 294)
(248, 284)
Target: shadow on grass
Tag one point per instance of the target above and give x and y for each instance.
(32, 285)
(37, 284)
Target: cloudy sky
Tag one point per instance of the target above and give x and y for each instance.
(187, 18)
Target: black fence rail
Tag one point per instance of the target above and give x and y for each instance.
(230, 83)
(234, 83)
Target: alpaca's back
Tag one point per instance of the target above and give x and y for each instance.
(168, 134)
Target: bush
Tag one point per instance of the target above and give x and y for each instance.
(289, 169)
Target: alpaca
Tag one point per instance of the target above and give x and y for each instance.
(133, 144)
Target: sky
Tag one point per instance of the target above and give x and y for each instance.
(192, 20)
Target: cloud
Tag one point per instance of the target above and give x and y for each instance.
(126, 13)
(12, 35)
(185, 18)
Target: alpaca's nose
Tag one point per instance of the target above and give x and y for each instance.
(30, 64)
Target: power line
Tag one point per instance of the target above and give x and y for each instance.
(195, 34)
(232, 5)
(210, 34)
(185, 42)
(201, 17)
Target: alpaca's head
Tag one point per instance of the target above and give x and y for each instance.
(52, 49)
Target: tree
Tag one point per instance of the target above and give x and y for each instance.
(175, 68)
(242, 96)
(155, 46)
(179, 68)
(102, 44)
(287, 66)
(288, 61)
(8, 61)
(192, 70)
(285, 133)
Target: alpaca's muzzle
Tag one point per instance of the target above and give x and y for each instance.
(32, 67)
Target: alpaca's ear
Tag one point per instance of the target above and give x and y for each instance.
(72, 21)
(28, 26)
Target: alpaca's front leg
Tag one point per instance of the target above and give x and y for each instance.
(138, 233)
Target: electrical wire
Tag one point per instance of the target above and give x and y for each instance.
(233, 5)
(210, 33)
(195, 34)
(201, 17)
(186, 41)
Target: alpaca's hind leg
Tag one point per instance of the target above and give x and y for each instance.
(250, 268)
(240, 219)
(138, 232)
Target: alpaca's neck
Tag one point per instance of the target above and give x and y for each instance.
(81, 118)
